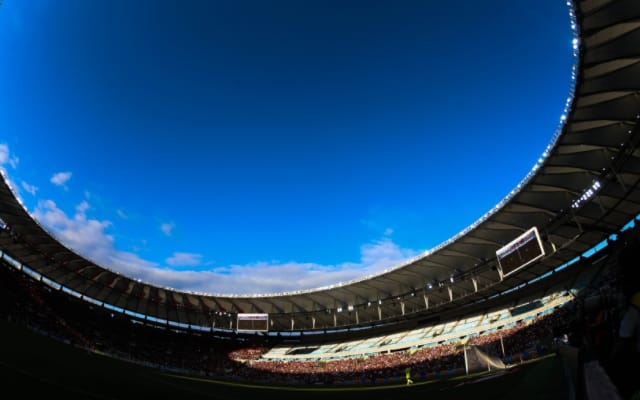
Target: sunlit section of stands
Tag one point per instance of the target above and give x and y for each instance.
(448, 332)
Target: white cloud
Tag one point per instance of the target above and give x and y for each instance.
(179, 259)
(122, 214)
(29, 188)
(87, 236)
(4, 153)
(60, 178)
(167, 228)
(82, 208)
(184, 270)
(6, 157)
(276, 277)
(383, 254)
(90, 238)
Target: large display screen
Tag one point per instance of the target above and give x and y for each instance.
(520, 252)
(252, 322)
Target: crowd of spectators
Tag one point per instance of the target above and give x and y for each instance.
(590, 322)
(67, 319)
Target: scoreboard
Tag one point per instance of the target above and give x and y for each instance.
(520, 252)
(252, 322)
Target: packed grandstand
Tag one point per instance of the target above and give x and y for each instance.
(534, 274)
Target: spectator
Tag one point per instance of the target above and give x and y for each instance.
(625, 355)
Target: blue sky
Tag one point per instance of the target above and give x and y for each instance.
(259, 147)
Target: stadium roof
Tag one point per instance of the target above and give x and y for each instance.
(583, 190)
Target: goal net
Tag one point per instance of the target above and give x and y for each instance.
(482, 358)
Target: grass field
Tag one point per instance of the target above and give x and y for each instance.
(33, 366)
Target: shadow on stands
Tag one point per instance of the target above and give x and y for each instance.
(602, 354)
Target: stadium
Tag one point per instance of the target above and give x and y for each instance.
(514, 292)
